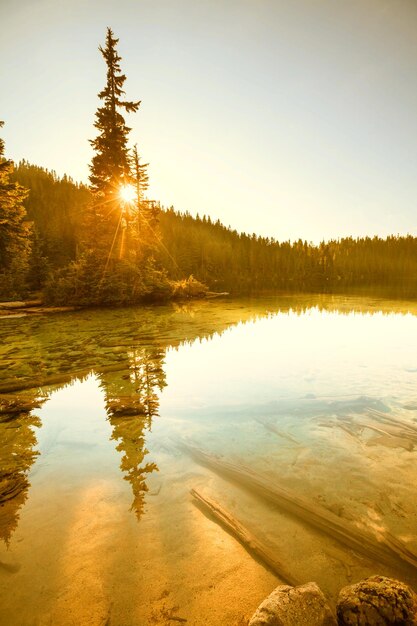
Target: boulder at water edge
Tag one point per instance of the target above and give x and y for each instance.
(377, 601)
(294, 606)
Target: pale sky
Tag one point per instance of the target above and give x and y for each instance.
(293, 118)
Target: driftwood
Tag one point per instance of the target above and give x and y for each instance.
(216, 294)
(376, 429)
(350, 432)
(392, 441)
(387, 549)
(244, 536)
(21, 309)
(392, 433)
(20, 304)
(399, 425)
(273, 429)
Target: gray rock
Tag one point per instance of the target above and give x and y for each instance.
(294, 606)
(377, 601)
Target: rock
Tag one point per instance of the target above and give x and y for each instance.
(377, 601)
(294, 606)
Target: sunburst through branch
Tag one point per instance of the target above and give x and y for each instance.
(127, 193)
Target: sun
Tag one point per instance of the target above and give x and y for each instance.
(127, 193)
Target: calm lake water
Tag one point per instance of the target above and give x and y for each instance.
(102, 414)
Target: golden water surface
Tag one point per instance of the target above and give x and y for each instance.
(101, 413)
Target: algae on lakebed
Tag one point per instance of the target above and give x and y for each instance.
(101, 525)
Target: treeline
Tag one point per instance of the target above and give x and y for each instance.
(94, 245)
(55, 207)
(221, 257)
(108, 244)
(241, 263)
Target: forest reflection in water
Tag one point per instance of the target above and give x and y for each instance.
(131, 400)
(271, 385)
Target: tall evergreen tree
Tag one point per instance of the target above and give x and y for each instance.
(14, 230)
(147, 211)
(110, 167)
(140, 174)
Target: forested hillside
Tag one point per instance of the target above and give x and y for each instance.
(55, 206)
(243, 263)
(109, 244)
(222, 258)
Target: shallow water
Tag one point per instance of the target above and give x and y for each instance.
(315, 394)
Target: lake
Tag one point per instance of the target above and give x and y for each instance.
(296, 414)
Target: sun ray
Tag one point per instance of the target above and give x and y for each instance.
(128, 193)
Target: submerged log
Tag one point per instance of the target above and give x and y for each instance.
(21, 309)
(273, 429)
(390, 430)
(244, 536)
(385, 549)
(20, 304)
(395, 422)
(51, 309)
(350, 432)
(392, 441)
(390, 435)
(216, 294)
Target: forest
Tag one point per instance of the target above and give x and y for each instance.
(218, 256)
(106, 243)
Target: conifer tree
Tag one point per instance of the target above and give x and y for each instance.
(110, 267)
(148, 211)
(110, 167)
(140, 174)
(141, 184)
(14, 230)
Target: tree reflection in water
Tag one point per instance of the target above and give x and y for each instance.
(131, 400)
(125, 348)
(17, 454)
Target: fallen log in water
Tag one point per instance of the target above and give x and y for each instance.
(395, 422)
(350, 432)
(393, 431)
(20, 304)
(237, 530)
(273, 429)
(387, 549)
(395, 436)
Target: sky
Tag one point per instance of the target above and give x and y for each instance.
(291, 119)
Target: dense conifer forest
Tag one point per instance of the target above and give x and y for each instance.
(108, 243)
(220, 257)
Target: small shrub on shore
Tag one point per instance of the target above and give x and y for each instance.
(188, 288)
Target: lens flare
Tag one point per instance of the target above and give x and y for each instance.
(127, 193)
